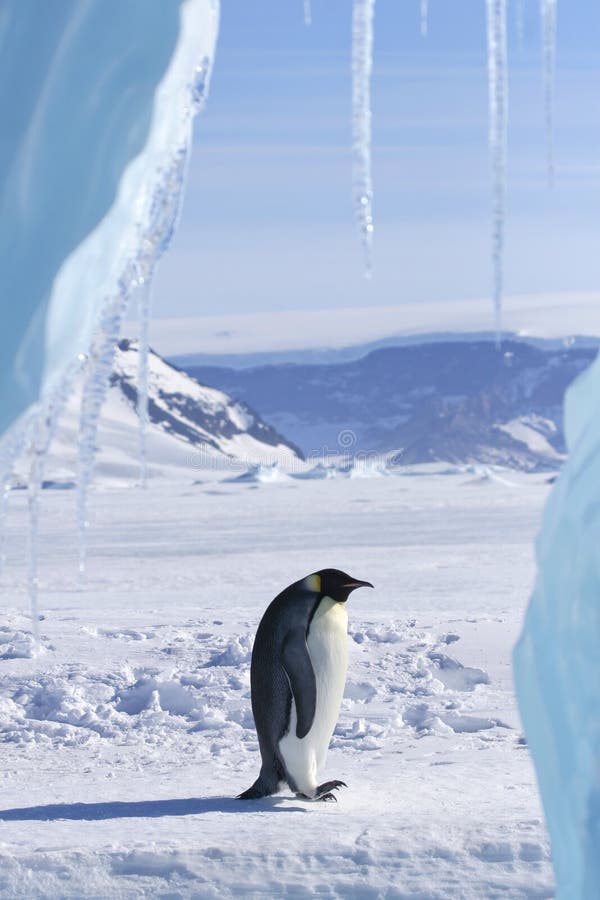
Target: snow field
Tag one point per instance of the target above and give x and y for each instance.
(127, 737)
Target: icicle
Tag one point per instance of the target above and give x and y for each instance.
(11, 447)
(424, 17)
(498, 115)
(362, 61)
(520, 23)
(40, 437)
(99, 368)
(32, 434)
(4, 495)
(155, 238)
(548, 13)
(307, 13)
(165, 212)
(33, 504)
(144, 301)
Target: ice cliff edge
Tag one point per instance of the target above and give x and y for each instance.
(557, 659)
(94, 103)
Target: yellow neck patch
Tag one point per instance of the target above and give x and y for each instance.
(313, 583)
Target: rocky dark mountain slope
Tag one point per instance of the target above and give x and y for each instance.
(459, 401)
(194, 413)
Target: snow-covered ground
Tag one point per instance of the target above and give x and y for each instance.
(127, 738)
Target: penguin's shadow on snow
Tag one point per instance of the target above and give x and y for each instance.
(145, 809)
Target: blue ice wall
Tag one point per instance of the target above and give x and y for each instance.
(557, 659)
(77, 85)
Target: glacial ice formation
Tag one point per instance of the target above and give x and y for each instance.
(557, 659)
(131, 82)
(43, 93)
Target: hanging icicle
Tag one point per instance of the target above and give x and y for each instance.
(307, 13)
(39, 438)
(98, 369)
(11, 448)
(158, 229)
(362, 62)
(33, 504)
(164, 215)
(548, 14)
(424, 17)
(498, 119)
(520, 23)
(4, 495)
(144, 304)
(157, 233)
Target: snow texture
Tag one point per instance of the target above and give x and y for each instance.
(126, 738)
(557, 660)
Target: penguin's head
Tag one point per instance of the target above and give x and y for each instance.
(333, 583)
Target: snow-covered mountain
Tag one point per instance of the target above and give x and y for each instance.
(191, 426)
(201, 416)
(459, 401)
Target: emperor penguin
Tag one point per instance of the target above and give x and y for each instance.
(297, 679)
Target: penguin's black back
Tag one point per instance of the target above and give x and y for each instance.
(271, 693)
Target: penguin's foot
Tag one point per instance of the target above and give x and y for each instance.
(251, 794)
(258, 790)
(324, 791)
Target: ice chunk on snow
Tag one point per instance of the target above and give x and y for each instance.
(557, 659)
(258, 474)
(318, 472)
(366, 467)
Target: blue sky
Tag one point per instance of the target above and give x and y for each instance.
(268, 221)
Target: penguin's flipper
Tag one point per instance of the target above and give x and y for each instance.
(299, 670)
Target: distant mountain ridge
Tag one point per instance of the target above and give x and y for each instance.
(331, 355)
(311, 333)
(454, 401)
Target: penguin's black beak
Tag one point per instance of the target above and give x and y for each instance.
(352, 585)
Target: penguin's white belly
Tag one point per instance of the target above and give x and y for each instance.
(327, 644)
